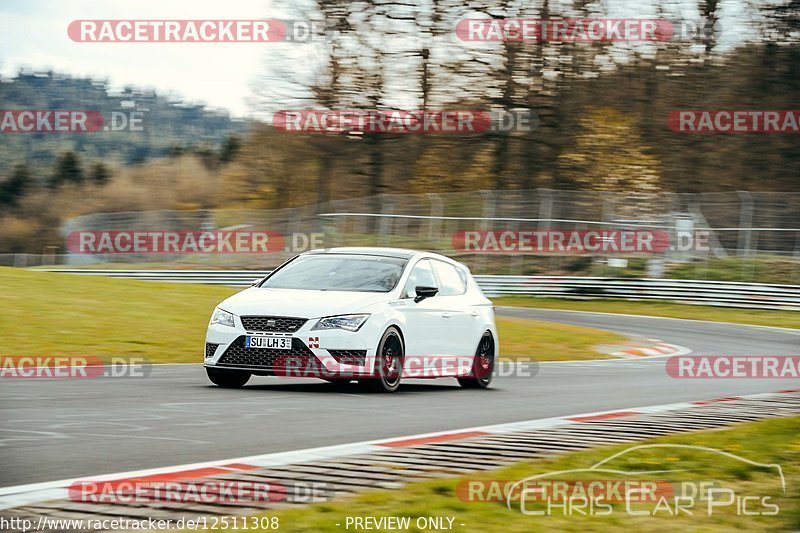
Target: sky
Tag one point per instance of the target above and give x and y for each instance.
(33, 35)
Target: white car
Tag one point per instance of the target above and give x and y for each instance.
(369, 314)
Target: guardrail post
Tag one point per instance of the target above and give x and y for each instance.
(609, 210)
(745, 223)
(487, 212)
(435, 223)
(545, 212)
(385, 226)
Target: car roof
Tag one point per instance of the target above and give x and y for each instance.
(367, 250)
(401, 253)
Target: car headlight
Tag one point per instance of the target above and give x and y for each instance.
(346, 322)
(222, 317)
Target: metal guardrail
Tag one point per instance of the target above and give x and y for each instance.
(717, 293)
(236, 278)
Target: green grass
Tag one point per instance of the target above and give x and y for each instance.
(65, 314)
(548, 341)
(758, 317)
(773, 442)
(763, 269)
(69, 314)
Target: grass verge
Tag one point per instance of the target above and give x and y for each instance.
(772, 442)
(70, 314)
(549, 341)
(757, 317)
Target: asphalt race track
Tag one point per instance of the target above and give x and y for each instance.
(55, 429)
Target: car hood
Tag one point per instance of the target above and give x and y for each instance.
(299, 303)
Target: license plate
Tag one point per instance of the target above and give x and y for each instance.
(264, 341)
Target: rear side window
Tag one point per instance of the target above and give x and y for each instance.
(451, 282)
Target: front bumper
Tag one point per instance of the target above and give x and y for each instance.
(323, 354)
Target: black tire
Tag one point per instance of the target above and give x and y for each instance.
(388, 363)
(228, 379)
(482, 365)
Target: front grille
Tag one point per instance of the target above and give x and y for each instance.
(276, 324)
(211, 348)
(349, 357)
(299, 357)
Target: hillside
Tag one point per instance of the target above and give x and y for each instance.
(168, 126)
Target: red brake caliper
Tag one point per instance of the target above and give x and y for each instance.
(388, 368)
(484, 364)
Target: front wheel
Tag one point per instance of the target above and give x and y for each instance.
(482, 365)
(228, 379)
(388, 363)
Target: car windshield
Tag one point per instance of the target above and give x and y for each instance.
(339, 272)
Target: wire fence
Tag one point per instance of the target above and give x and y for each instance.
(746, 236)
(717, 293)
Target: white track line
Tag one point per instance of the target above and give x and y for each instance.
(20, 495)
(791, 331)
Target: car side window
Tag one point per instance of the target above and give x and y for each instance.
(450, 282)
(421, 276)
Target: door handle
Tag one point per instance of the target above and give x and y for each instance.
(445, 315)
(474, 313)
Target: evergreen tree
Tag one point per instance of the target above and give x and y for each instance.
(230, 148)
(100, 173)
(67, 170)
(14, 187)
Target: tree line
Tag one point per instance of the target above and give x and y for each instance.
(602, 107)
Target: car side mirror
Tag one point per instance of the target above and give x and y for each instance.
(425, 292)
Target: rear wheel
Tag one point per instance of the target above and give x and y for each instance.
(482, 365)
(228, 379)
(388, 363)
